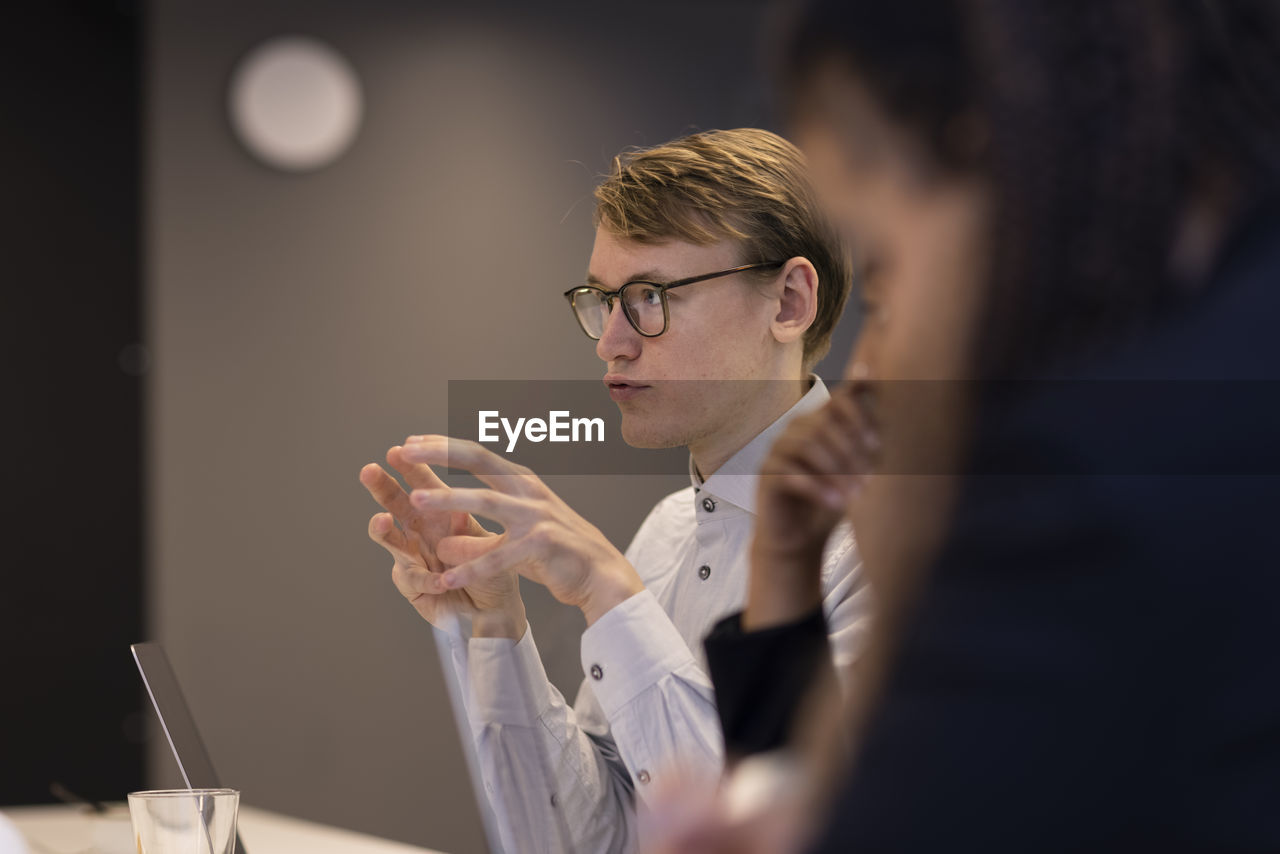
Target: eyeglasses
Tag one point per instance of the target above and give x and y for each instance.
(643, 303)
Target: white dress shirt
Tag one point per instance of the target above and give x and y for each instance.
(566, 779)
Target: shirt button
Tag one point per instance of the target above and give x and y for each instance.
(708, 505)
(597, 672)
(704, 572)
(643, 777)
(554, 800)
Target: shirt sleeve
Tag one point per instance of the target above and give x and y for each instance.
(555, 775)
(761, 677)
(656, 697)
(554, 780)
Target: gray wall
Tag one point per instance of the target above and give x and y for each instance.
(301, 324)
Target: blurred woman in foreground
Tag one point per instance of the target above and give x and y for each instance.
(1058, 445)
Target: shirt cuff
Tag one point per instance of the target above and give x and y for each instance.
(629, 649)
(508, 682)
(761, 677)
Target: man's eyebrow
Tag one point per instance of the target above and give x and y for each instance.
(655, 276)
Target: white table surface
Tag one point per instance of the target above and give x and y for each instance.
(59, 829)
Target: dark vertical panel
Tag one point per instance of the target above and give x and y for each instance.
(71, 599)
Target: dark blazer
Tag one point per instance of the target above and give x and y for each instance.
(1095, 663)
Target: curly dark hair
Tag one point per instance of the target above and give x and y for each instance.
(1102, 119)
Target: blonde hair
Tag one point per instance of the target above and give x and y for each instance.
(746, 185)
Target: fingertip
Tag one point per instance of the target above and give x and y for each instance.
(430, 585)
(427, 444)
(423, 437)
(368, 472)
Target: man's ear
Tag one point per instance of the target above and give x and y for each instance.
(797, 302)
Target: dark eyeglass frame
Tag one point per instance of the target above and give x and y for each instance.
(609, 296)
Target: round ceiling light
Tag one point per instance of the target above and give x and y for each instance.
(295, 103)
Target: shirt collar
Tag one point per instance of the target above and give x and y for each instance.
(735, 481)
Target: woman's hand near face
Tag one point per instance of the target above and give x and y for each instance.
(811, 473)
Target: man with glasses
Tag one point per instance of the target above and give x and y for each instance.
(729, 282)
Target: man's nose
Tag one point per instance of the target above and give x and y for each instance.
(618, 340)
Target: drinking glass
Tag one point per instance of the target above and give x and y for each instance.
(185, 821)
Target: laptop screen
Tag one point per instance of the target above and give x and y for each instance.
(176, 720)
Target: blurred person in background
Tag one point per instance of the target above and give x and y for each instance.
(712, 290)
(1058, 445)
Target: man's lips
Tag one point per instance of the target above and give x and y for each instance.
(621, 389)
